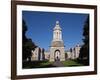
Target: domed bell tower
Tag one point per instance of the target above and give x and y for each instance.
(57, 52)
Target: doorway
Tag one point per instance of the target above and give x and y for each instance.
(57, 55)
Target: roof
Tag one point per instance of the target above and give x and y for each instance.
(57, 27)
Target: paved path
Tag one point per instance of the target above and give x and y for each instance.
(58, 64)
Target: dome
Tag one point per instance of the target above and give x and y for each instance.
(57, 44)
(57, 27)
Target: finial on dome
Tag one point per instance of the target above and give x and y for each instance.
(57, 22)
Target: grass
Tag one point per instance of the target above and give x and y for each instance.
(47, 64)
(71, 63)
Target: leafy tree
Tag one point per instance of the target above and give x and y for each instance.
(84, 51)
(28, 45)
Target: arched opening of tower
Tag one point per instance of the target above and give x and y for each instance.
(57, 55)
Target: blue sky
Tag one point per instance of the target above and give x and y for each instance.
(40, 27)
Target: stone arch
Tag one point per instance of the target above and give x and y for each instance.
(57, 55)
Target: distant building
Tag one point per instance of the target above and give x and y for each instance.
(47, 55)
(73, 53)
(37, 54)
(68, 54)
(77, 50)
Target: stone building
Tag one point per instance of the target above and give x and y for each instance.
(73, 53)
(47, 55)
(68, 54)
(38, 54)
(77, 51)
(57, 51)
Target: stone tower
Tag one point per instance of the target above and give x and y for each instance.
(57, 51)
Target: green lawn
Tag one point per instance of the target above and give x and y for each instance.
(47, 64)
(71, 63)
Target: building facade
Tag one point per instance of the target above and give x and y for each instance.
(73, 53)
(37, 54)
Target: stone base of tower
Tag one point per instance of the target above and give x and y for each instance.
(57, 53)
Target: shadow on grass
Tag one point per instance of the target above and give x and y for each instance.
(47, 64)
(37, 64)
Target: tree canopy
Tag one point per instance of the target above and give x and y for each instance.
(84, 51)
(28, 45)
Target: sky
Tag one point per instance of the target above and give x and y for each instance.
(40, 27)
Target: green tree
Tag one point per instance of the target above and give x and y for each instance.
(84, 51)
(28, 45)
